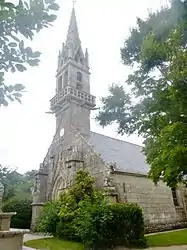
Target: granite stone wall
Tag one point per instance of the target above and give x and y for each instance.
(159, 210)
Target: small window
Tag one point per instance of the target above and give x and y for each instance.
(65, 81)
(79, 76)
(60, 83)
(175, 199)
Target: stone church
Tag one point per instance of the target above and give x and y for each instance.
(119, 167)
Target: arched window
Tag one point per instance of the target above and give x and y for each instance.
(79, 76)
(58, 187)
(65, 81)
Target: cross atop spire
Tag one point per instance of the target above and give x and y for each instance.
(74, 2)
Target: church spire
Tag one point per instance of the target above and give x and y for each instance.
(72, 49)
(73, 40)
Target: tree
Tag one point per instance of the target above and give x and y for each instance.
(10, 179)
(16, 185)
(18, 23)
(24, 188)
(158, 83)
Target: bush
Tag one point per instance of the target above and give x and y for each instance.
(125, 225)
(90, 221)
(23, 209)
(68, 210)
(102, 225)
(69, 205)
(49, 218)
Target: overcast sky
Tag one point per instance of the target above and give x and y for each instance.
(26, 130)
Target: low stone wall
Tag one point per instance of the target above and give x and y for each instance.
(11, 240)
(153, 228)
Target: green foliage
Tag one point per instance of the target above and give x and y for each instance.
(17, 21)
(23, 209)
(49, 218)
(103, 226)
(15, 184)
(10, 179)
(125, 225)
(82, 188)
(160, 23)
(83, 214)
(24, 187)
(67, 214)
(115, 108)
(156, 50)
(91, 222)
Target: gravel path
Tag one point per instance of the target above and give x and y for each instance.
(28, 237)
(170, 248)
(159, 248)
(27, 248)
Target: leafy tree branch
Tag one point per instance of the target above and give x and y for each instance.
(17, 24)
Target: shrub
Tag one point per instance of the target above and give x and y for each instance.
(125, 225)
(23, 209)
(49, 218)
(90, 221)
(68, 210)
(102, 226)
(69, 203)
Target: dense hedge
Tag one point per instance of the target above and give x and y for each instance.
(125, 225)
(101, 225)
(22, 219)
(83, 214)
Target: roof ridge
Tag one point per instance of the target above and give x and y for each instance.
(134, 144)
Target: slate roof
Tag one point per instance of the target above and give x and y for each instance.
(127, 156)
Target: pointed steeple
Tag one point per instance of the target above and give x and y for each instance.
(73, 40)
(72, 49)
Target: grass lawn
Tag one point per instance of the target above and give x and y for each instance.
(163, 239)
(178, 237)
(53, 244)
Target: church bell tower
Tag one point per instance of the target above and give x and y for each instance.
(72, 102)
